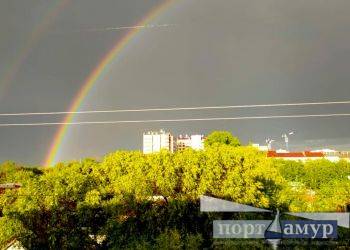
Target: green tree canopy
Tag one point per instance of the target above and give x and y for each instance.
(221, 137)
(131, 200)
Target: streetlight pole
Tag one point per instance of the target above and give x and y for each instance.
(286, 139)
(269, 142)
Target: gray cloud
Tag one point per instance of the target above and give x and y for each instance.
(219, 53)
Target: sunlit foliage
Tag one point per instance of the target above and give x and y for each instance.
(135, 201)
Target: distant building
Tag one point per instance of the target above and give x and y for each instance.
(195, 142)
(263, 148)
(296, 156)
(5, 186)
(155, 141)
(182, 142)
(330, 155)
(334, 155)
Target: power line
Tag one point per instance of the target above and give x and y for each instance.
(173, 120)
(176, 108)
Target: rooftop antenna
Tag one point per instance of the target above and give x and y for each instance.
(269, 142)
(286, 139)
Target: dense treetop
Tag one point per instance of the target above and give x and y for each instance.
(132, 200)
(221, 138)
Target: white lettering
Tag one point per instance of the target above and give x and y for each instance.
(260, 228)
(315, 229)
(248, 230)
(301, 230)
(288, 229)
(236, 229)
(325, 231)
(224, 229)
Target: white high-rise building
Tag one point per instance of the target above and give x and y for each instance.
(195, 142)
(155, 141)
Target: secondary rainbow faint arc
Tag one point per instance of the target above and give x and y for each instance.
(34, 37)
(96, 73)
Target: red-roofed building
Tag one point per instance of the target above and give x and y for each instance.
(328, 154)
(296, 156)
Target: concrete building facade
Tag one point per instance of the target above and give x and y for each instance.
(195, 142)
(155, 141)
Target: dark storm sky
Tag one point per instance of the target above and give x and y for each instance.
(222, 52)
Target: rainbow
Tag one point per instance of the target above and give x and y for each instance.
(33, 39)
(95, 75)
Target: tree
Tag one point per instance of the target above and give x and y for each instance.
(221, 137)
(137, 201)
